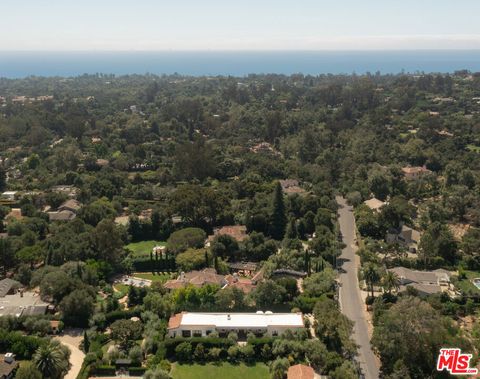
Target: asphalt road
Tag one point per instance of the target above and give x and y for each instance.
(349, 294)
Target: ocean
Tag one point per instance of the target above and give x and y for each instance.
(238, 63)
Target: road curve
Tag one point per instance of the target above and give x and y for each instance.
(349, 294)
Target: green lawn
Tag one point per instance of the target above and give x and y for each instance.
(474, 148)
(122, 289)
(154, 277)
(221, 371)
(466, 285)
(144, 247)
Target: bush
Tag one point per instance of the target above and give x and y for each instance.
(208, 342)
(369, 300)
(183, 351)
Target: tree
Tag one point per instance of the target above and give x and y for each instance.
(86, 342)
(77, 308)
(191, 259)
(28, 370)
(333, 328)
(108, 240)
(320, 283)
(3, 179)
(7, 257)
(278, 217)
(279, 368)
(413, 332)
(371, 276)
(390, 281)
(136, 355)
(56, 285)
(52, 360)
(345, 371)
(126, 332)
(438, 240)
(230, 298)
(268, 294)
(186, 238)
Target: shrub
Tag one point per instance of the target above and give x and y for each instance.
(183, 351)
(186, 238)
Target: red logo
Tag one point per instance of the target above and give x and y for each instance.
(455, 362)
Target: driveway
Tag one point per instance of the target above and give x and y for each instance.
(72, 339)
(350, 299)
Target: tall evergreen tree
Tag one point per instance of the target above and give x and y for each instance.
(3, 179)
(279, 220)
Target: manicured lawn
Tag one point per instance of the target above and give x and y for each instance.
(144, 247)
(221, 371)
(154, 277)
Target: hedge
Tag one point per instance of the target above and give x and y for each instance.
(136, 371)
(258, 343)
(145, 264)
(171, 344)
(104, 370)
(120, 314)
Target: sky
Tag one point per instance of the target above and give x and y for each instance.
(137, 25)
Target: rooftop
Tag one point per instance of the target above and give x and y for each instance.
(238, 232)
(374, 203)
(239, 320)
(7, 368)
(300, 372)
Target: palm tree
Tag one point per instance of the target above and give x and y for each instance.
(390, 281)
(371, 275)
(51, 359)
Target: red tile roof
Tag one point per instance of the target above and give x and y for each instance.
(300, 372)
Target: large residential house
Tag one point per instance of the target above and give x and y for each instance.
(237, 232)
(210, 276)
(65, 212)
(197, 279)
(14, 301)
(188, 324)
(414, 173)
(425, 282)
(404, 236)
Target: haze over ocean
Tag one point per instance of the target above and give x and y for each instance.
(238, 63)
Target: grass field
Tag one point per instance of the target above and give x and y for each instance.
(221, 371)
(144, 247)
(154, 277)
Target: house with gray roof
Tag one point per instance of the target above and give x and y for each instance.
(425, 282)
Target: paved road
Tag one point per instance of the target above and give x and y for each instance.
(350, 300)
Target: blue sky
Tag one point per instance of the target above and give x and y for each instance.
(239, 25)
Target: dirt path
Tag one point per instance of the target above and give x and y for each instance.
(72, 339)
